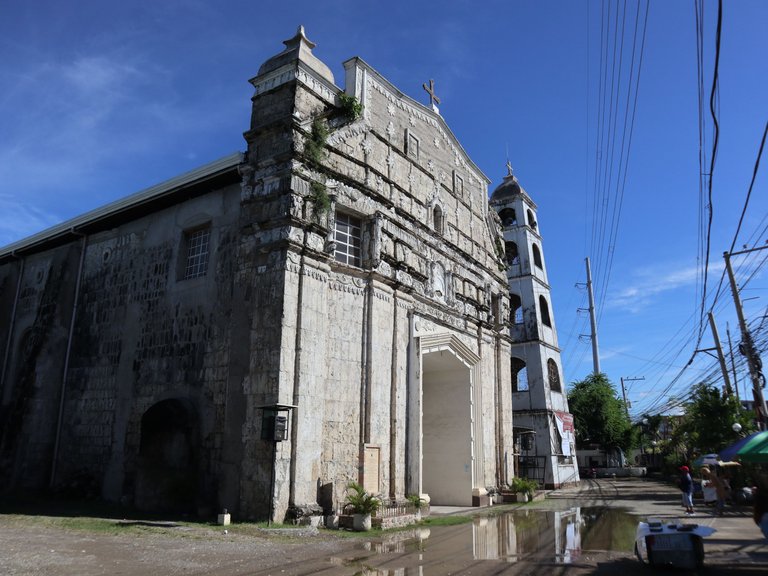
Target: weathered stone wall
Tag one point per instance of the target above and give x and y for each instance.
(144, 334)
(35, 368)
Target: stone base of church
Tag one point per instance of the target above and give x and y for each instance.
(480, 501)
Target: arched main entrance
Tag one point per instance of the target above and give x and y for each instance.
(167, 474)
(447, 430)
(450, 464)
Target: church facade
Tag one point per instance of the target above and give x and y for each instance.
(329, 306)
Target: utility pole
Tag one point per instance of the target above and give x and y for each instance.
(624, 391)
(748, 347)
(593, 324)
(733, 362)
(720, 357)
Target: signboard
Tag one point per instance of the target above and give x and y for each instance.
(567, 431)
(371, 469)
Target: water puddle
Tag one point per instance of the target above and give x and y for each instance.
(549, 536)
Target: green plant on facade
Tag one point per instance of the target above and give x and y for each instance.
(320, 198)
(351, 107)
(359, 501)
(314, 148)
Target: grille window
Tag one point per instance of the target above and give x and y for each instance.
(197, 244)
(347, 236)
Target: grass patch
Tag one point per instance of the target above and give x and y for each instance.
(111, 526)
(445, 521)
(345, 533)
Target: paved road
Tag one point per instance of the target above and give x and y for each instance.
(738, 543)
(36, 545)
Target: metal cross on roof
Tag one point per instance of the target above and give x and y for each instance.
(433, 99)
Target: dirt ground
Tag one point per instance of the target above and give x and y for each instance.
(44, 544)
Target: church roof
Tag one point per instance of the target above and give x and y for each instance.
(171, 191)
(297, 48)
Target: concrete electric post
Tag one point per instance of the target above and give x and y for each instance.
(748, 347)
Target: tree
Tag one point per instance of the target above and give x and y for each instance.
(708, 420)
(598, 414)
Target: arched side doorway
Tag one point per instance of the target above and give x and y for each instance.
(451, 464)
(167, 474)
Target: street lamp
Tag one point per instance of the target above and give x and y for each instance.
(736, 427)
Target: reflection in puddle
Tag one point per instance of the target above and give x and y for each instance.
(519, 535)
(557, 535)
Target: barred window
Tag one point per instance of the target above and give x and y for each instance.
(347, 235)
(197, 243)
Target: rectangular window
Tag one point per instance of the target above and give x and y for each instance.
(411, 145)
(348, 235)
(197, 244)
(458, 185)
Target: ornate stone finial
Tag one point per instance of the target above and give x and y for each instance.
(433, 99)
(299, 38)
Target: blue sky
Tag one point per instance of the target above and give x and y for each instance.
(101, 99)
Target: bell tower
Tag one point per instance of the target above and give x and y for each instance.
(543, 426)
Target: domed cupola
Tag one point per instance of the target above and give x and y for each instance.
(508, 189)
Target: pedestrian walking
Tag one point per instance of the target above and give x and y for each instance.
(686, 487)
(719, 486)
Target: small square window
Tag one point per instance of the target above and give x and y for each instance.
(348, 238)
(197, 244)
(411, 145)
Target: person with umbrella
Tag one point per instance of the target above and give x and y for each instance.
(686, 487)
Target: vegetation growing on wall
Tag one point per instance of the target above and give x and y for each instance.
(314, 148)
(320, 199)
(350, 106)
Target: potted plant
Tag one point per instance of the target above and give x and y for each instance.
(523, 488)
(361, 505)
(418, 503)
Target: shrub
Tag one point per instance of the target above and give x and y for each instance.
(524, 485)
(320, 198)
(417, 501)
(350, 106)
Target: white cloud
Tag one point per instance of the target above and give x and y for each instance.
(649, 283)
(21, 219)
